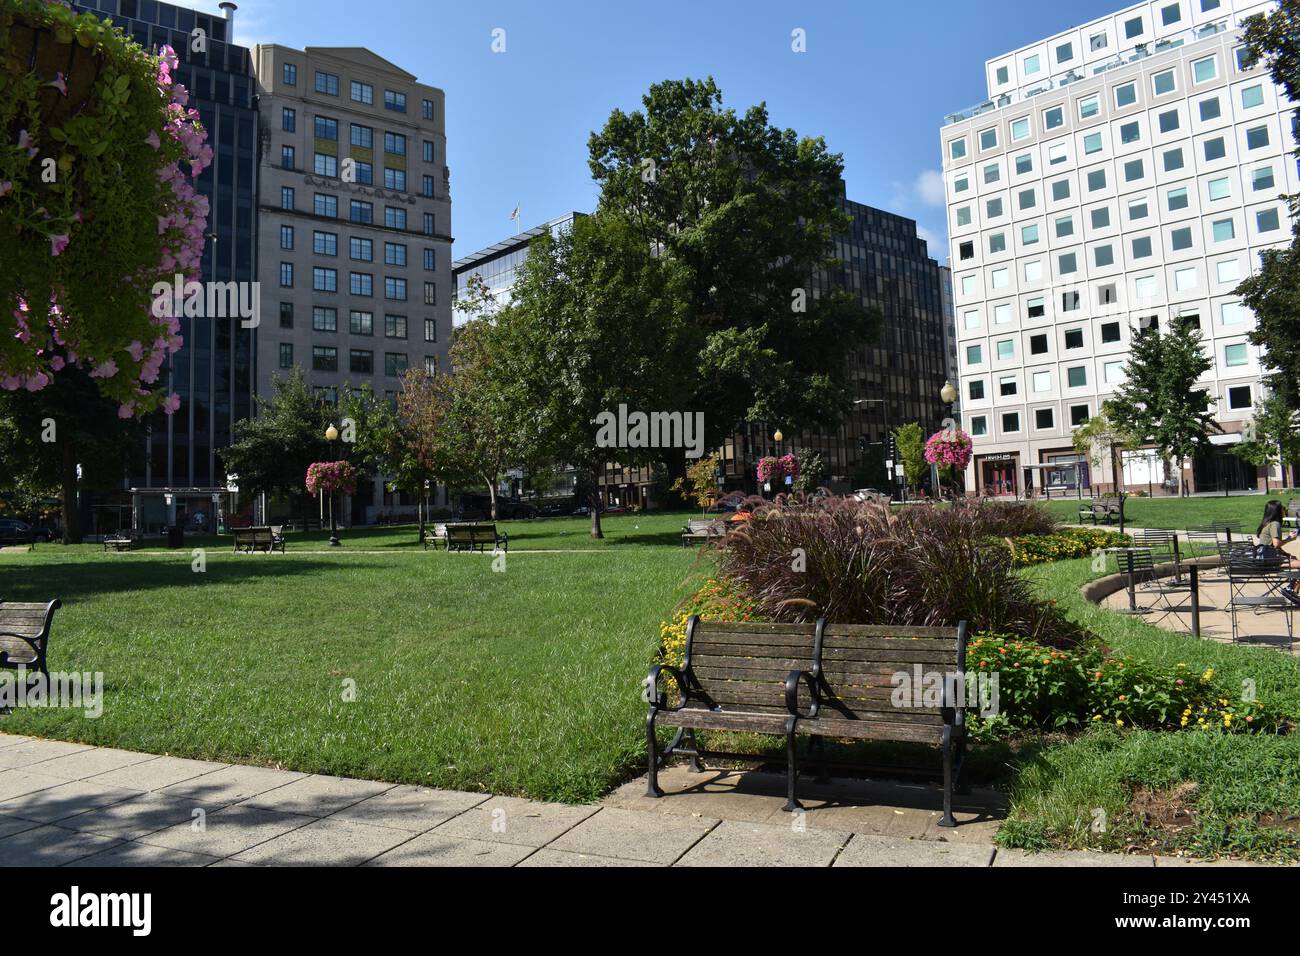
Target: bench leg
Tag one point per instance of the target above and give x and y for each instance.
(652, 748)
(695, 765)
(819, 749)
(947, 820)
(791, 771)
(960, 784)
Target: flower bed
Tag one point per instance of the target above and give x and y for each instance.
(1057, 546)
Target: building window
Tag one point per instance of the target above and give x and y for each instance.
(361, 211)
(286, 315)
(361, 323)
(1170, 15)
(1228, 270)
(324, 319)
(325, 205)
(1035, 308)
(1239, 396)
(286, 197)
(974, 355)
(992, 173)
(395, 101)
(1141, 247)
(1133, 170)
(362, 136)
(286, 157)
(288, 120)
(1010, 422)
(324, 280)
(1125, 95)
(395, 179)
(1074, 338)
(394, 288)
(1110, 333)
(1112, 372)
(1096, 180)
(1038, 344)
(1204, 70)
(426, 109)
(394, 326)
(1043, 418)
(1031, 64)
(1007, 386)
(1163, 83)
(1235, 355)
(1064, 226)
(957, 149)
(326, 128)
(430, 293)
(1185, 280)
(361, 250)
(1053, 118)
(1078, 415)
(1168, 121)
(1006, 350)
(327, 83)
(324, 358)
(1262, 178)
(430, 260)
(361, 283)
(975, 389)
(1092, 144)
(1103, 256)
(286, 275)
(394, 254)
(1106, 294)
(428, 224)
(394, 218)
(1019, 129)
(979, 425)
(1180, 239)
(966, 250)
(289, 74)
(323, 164)
(1067, 263)
(286, 355)
(426, 186)
(394, 363)
(286, 237)
(1252, 96)
(1100, 217)
(1223, 229)
(1257, 137)
(430, 330)
(1130, 133)
(1266, 220)
(1060, 190)
(1076, 376)
(1214, 149)
(362, 93)
(989, 138)
(1133, 28)
(324, 243)
(1173, 159)
(993, 208)
(361, 361)
(1210, 109)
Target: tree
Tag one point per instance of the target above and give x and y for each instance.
(748, 213)
(1159, 401)
(701, 481)
(270, 453)
(1100, 437)
(45, 436)
(812, 470)
(1273, 292)
(1273, 435)
(910, 441)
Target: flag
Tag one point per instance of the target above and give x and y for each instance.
(515, 214)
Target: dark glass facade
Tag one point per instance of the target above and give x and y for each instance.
(213, 373)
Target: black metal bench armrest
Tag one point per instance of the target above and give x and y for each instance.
(660, 698)
(792, 694)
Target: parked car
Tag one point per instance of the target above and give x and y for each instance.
(552, 511)
(44, 533)
(731, 501)
(13, 531)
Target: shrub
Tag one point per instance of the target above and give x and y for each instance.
(799, 558)
(1008, 519)
(714, 601)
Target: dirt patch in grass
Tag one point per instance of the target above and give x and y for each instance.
(1165, 813)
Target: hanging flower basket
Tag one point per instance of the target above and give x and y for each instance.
(949, 448)
(331, 476)
(97, 205)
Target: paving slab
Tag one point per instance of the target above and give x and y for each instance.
(515, 820)
(1055, 858)
(10, 825)
(131, 819)
(1186, 861)
(35, 750)
(142, 854)
(732, 843)
(327, 842)
(432, 849)
(634, 835)
(159, 773)
(8, 740)
(548, 857)
(89, 763)
(67, 799)
(415, 809)
(232, 784)
(15, 783)
(713, 794)
(50, 846)
(866, 850)
(318, 795)
(227, 831)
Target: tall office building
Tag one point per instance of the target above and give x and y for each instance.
(213, 372)
(497, 264)
(354, 219)
(1121, 174)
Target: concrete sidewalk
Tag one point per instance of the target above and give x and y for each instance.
(66, 804)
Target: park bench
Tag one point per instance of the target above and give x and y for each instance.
(120, 540)
(820, 680)
(1101, 509)
(266, 539)
(25, 635)
(474, 536)
(703, 529)
(1292, 517)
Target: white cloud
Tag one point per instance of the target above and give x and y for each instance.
(929, 187)
(927, 235)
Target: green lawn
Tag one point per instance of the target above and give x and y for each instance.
(524, 681)
(1182, 513)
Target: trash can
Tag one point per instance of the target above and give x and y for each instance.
(175, 536)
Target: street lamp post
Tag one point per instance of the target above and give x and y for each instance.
(884, 410)
(331, 436)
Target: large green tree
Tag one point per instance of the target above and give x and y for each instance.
(1273, 292)
(270, 452)
(1159, 401)
(747, 214)
(45, 436)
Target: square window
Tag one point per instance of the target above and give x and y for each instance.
(1132, 28)
(1032, 65)
(989, 138)
(1092, 144)
(1130, 133)
(1223, 230)
(1064, 52)
(1100, 217)
(1010, 422)
(1262, 178)
(1038, 344)
(1204, 70)
(1029, 234)
(1043, 418)
(1089, 106)
(1125, 95)
(1061, 190)
(1033, 271)
(1027, 199)
(1215, 149)
(1137, 209)
(1103, 256)
(1176, 199)
(1078, 414)
(971, 319)
(1219, 188)
(1070, 301)
(1043, 380)
(1053, 118)
(1144, 287)
(979, 425)
(1180, 239)
(968, 285)
(1106, 294)
(1007, 386)
(1074, 338)
(1110, 332)
(1003, 76)
(1210, 109)
(993, 208)
(1024, 164)
(961, 184)
(1266, 220)
(974, 355)
(963, 215)
(1096, 180)
(1168, 121)
(1006, 350)
(1163, 83)
(1235, 355)
(1112, 372)
(1057, 154)
(966, 250)
(1185, 280)
(1000, 278)
(1245, 59)
(992, 173)
(1067, 264)
(1252, 96)
(1064, 227)
(1227, 270)
(1097, 42)
(975, 389)
(1173, 159)
(1034, 307)
(1077, 376)
(957, 148)
(1141, 247)
(1239, 396)
(1257, 137)
(1170, 15)
(1020, 128)
(1133, 170)
(998, 242)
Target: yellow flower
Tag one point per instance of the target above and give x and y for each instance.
(1096, 716)
(1118, 722)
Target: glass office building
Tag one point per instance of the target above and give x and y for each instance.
(213, 373)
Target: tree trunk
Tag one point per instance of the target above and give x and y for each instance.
(68, 478)
(423, 507)
(492, 497)
(675, 468)
(593, 502)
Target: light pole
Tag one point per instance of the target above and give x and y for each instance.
(948, 395)
(884, 411)
(331, 436)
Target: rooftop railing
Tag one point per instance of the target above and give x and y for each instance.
(1137, 52)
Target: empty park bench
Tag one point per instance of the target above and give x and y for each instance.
(25, 635)
(820, 680)
(1101, 509)
(120, 540)
(266, 539)
(475, 536)
(437, 535)
(1292, 517)
(703, 529)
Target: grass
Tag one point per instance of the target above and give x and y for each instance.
(522, 682)
(1181, 513)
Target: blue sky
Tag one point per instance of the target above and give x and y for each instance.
(875, 81)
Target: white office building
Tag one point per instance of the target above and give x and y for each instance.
(1123, 172)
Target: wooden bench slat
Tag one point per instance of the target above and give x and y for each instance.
(753, 628)
(873, 730)
(773, 723)
(891, 631)
(833, 709)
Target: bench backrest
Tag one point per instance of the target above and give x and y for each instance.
(471, 532)
(24, 630)
(1293, 508)
(704, 526)
(858, 664)
(738, 665)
